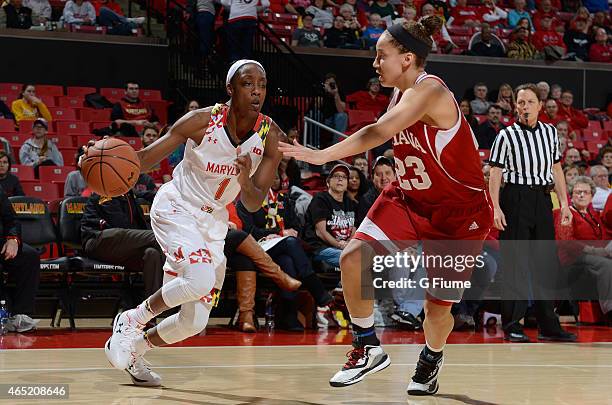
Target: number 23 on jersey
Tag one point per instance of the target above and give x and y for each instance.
(419, 180)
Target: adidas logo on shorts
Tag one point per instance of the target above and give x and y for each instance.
(473, 227)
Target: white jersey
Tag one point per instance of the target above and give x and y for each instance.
(206, 178)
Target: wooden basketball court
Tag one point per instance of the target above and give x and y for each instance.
(475, 374)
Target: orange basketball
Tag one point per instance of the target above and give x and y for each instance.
(111, 167)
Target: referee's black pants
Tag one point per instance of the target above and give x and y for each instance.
(530, 267)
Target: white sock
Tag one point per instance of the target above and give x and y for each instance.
(364, 322)
(432, 349)
(142, 313)
(142, 344)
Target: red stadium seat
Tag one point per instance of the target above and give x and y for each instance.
(112, 93)
(8, 98)
(79, 91)
(7, 125)
(484, 153)
(150, 95)
(135, 143)
(63, 114)
(459, 30)
(16, 140)
(84, 139)
(71, 102)
(597, 135)
(49, 174)
(282, 29)
(507, 121)
(100, 124)
(62, 141)
(285, 18)
(90, 114)
(69, 154)
(360, 118)
(49, 90)
(25, 127)
(480, 118)
(594, 146)
(576, 144)
(49, 101)
(6, 88)
(44, 191)
(24, 173)
(160, 107)
(71, 127)
(462, 41)
(607, 125)
(594, 125)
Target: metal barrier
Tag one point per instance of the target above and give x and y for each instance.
(314, 144)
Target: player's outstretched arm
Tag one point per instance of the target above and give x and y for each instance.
(414, 104)
(190, 126)
(253, 190)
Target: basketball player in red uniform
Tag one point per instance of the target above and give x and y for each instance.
(440, 195)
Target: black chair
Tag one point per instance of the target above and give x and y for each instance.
(39, 231)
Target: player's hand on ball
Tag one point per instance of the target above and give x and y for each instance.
(302, 153)
(499, 219)
(243, 163)
(90, 143)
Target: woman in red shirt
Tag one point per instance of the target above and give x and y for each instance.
(582, 247)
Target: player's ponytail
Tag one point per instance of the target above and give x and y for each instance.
(415, 36)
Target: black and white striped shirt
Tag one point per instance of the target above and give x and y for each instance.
(526, 154)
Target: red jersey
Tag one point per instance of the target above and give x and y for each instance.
(541, 39)
(461, 14)
(436, 166)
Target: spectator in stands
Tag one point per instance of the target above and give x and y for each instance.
(162, 172)
(373, 31)
(606, 158)
(545, 9)
(485, 43)
(111, 16)
(520, 48)
(75, 183)
(555, 91)
(22, 264)
(488, 130)
(587, 256)
(8, 181)
(308, 35)
(5, 147)
(574, 117)
(562, 144)
(408, 15)
(350, 21)
(241, 26)
(506, 99)
(601, 49)
(333, 107)
(39, 150)
(289, 173)
(5, 112)
(323, 16)
(601, 20)
(276, 218)
(339, 36)
(523, 22)
(572, 156)
(357, 184)
(79, 12)
(463, 15)
(41, 11)
(517, 13)
(577, 40)
(145, 187)
(192, 105)
(297, 7)
(480, 104)
(330, 219)
(370, 99)
(131, 111)
(563, 129)
(17, 15)
(361, 163)
(29, 107)
(549, 115)
(385, 10)
(466, 108)
(114, 231)
(494, 15)
(383, 173)
(203, 12)
(599, 174)
(543, 91)
(442, 41)
(571, 173)
(549, 41)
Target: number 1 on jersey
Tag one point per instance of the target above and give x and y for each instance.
(222, 186)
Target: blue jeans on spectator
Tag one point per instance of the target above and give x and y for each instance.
(330, 256)
(240, 36)
(409, 300)
(117, 24)
(339, 122)
(205, 22)
(481, 278)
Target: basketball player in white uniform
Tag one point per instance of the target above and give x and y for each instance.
(230, 148)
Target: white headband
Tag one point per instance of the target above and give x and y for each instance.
(237, 65)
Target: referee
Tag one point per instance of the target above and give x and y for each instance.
(527, 155)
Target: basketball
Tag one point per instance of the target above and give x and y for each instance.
(111, 167)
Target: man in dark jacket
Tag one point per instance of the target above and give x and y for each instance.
(488, 130)
(8, 181)
(114, 230)
(18, 16)
(22, 263)
(383, 173)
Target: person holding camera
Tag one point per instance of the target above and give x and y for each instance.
(333, 106)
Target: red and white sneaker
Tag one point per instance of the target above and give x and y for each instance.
(361, 362)
(119, 348)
